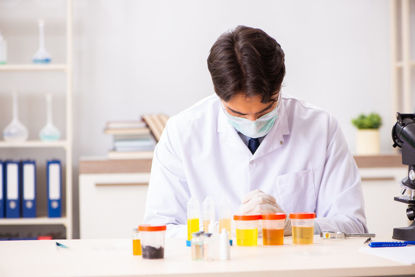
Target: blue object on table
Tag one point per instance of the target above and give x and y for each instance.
(58, 244)
(28, 182)
(391, 243)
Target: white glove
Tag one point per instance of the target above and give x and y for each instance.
(258, 202)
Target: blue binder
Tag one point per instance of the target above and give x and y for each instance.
(28, 186)
(54, 187)
(2, 190)
(12, 181)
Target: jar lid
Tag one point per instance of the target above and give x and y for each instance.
(302, 216)
(150, 228)
(247, 217)
(274, 216)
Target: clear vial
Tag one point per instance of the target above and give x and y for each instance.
(198, 245)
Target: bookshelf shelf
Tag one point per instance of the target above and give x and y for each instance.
(33, 67)
(33, 144)
(65, 144)
(34, 221)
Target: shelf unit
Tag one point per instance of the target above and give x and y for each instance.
(66, 144)
(33, 67)
(401, 42)
(34, 144)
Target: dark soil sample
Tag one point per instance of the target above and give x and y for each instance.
(150, 252)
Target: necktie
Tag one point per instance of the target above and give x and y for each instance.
(253, 144)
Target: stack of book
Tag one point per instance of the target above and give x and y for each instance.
(131, 139)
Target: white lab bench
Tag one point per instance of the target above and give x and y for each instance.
(112, 194)
(113, 257)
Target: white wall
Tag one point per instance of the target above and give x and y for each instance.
(133, 57)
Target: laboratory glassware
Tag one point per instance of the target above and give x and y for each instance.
(247, 229)
(302, 227)
(41, 55)
(15, 131)
(193, 215)
(152, 241)
(49, 132)
(3, 50)
(273, 229)
(208, 212)
(198, 246)
(136, 242)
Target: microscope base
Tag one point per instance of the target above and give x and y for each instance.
(404, 233)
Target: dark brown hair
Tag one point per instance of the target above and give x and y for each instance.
(246, 60)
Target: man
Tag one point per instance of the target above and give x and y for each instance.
(253, 149)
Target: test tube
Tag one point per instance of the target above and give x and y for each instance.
(193, 215)
(225, 220)
(208, 213)
(136, 242)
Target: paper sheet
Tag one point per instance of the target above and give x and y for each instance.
(405, 255)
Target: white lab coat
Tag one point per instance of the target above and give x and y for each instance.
(304, 162)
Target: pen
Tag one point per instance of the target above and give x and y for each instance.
(391, 243)
(58, 244)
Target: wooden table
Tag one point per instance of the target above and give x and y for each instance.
(114, 258)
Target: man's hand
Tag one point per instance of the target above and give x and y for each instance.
(258, 202)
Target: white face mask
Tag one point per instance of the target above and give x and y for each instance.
(254, 129)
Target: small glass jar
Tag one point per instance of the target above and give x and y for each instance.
(246, 229)
(273, 229)
(152, 241)
(302, 227)
(198, 246)
(136, 242)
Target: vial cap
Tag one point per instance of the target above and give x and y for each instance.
(302, 216)
(274, 216)
(150, 228)
(247, 217)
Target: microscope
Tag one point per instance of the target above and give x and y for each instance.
(403, 135)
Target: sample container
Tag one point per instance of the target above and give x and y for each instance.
(246, 229)
(136, 242)
(273, 229)
(152, 241)
(302, 227)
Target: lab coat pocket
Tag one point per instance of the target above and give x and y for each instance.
(296, 192)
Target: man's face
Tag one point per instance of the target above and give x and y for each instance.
(250, 108)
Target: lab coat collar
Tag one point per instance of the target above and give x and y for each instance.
(272, 141)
